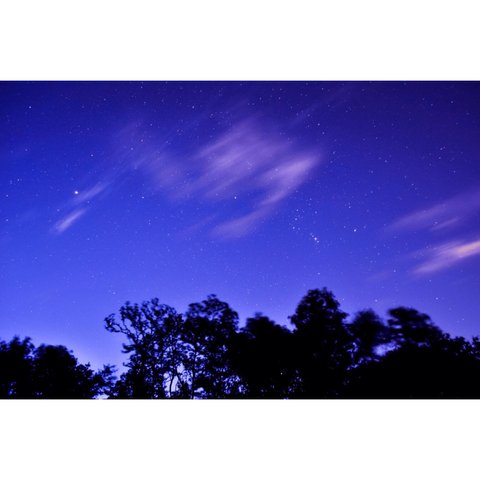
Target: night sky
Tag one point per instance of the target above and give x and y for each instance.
(254, 191)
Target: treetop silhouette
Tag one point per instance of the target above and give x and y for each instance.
(203, 353)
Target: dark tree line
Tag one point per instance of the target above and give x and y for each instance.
(48, 372)
(204, 354)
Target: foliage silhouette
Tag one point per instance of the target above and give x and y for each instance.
(410, 327)
(48, 372)
(16, 367)
(323, 346)
(322, 357)
(264, 360)
(203, 354)
(369, 333)
(210, 333)
(447, 368)
(152, 331)
(177, 357)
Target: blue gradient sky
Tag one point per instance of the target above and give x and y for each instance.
(255, 191)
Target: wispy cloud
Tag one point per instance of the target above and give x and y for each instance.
(68, 220)
(336, 98)
(84, 196)
(248, 164)
(443, 215)
(446, 255)
(240, 176)
(446, 217)
(239, 226)
(80, 202)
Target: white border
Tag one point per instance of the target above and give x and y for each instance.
(239, 439)
(252, 39)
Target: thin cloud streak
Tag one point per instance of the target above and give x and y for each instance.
(89, 194)
(68, 220)
(444, 215)
(80, 201)
(239, 226)
(446, 255)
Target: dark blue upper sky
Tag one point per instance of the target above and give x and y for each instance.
(255, 191)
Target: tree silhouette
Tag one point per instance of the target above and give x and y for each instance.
(369, 333)
(172, 356)
(48, 372)
(151, 330)
(424, 362)
(209, 336)
(447, 368)
(323, 345)
(263, 358)
(58, 374)
(16, 366)
(203, 354)
(410, 327)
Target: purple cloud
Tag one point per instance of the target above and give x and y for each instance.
(248, 162)
(84, 196)
(80, 201)
(248, 167)
(443, 215)
(245, 163)
(446, 255)
(68, 220)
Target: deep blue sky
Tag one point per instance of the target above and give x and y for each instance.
(255, 191)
